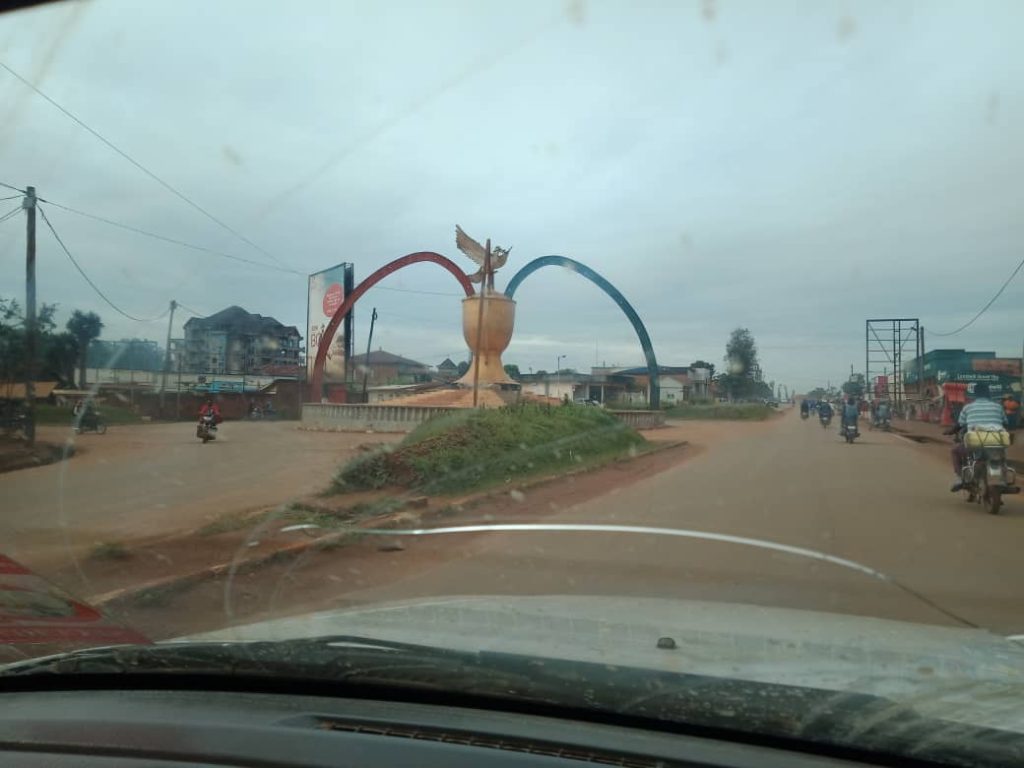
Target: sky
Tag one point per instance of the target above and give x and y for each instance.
(789, 167)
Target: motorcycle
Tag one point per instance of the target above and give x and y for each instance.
(850, 433)
(985, 475)
(90, 421)
(826, 420)
(206, 429)
(804, 414)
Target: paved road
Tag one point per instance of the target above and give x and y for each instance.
(149, 480)
(883, 502)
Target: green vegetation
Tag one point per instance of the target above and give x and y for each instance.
(471, 449)
(724, 411)
(110, 550)
(111, 414)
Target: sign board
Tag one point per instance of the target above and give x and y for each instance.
(1006, 366)
(327, 292)
(34, 612)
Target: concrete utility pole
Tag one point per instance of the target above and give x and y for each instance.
(369, 341)
(480, 320)
(29, 204)
(167, 358)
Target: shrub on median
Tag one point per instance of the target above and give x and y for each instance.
(469, 449)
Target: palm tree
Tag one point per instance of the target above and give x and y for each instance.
(85, 327)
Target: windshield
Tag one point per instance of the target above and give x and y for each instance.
(586, 320)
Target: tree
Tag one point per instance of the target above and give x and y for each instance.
(85, 327)
(741, 353)
(13, 337)
(855, 386)
(742, 367)
(463, 367)
(512, 371)
(60, 356)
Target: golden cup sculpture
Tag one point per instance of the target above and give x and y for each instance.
(487, 331)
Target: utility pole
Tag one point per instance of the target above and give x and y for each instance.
(488, 277)
(167, 358)
(177, 392)
(29, 204)
(369, 341)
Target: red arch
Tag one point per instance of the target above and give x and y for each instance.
(316, 384)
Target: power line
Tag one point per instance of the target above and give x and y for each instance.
(92, 284)
(984, 309)
(165, 238)
(189, 309)
(180, 195)
(10, 197)
(9, 214)
(11, 186)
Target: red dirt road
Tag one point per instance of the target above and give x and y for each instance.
(143, 481)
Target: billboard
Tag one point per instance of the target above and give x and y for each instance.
(327, 292)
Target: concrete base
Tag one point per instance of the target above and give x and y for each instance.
(333, 417)
(640, 419)
(336, 417)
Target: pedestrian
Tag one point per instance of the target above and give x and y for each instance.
(1012, 409)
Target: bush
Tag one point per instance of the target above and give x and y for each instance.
(469, 449)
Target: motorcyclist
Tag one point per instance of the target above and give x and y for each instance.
(804, 408)
(850, 414)
(209, 407)
(981, 413)
(825, 410)
(882, 413)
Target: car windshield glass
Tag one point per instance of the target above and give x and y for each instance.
(683, 338)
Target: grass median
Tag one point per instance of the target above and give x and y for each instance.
(62, 415)
(474, 449)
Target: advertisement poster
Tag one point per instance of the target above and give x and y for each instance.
(327, 291)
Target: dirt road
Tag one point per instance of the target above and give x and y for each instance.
(882, 502)
(142, 481)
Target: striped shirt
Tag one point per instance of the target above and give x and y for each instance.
(983, 413)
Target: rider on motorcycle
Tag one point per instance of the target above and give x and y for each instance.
(981, 413)
(210, 408)
(850, 414)
(882, 413)
(804, 408)
(825, 410)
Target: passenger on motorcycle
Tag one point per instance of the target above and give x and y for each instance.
(850, 414)
(981, 413)
(825, 410)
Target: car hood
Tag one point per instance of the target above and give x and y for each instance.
(963, 675)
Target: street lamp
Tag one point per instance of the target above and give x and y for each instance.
(558, 371)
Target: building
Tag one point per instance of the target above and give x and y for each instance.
(625, 386)
(239, 342)
(382, 368)
(924, 377)
(447, 370)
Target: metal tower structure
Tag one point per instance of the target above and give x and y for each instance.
(885, 342)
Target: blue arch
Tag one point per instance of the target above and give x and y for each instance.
(638, 324)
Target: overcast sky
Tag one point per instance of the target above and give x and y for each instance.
(791, 167)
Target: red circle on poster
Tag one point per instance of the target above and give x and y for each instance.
(332, 299)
